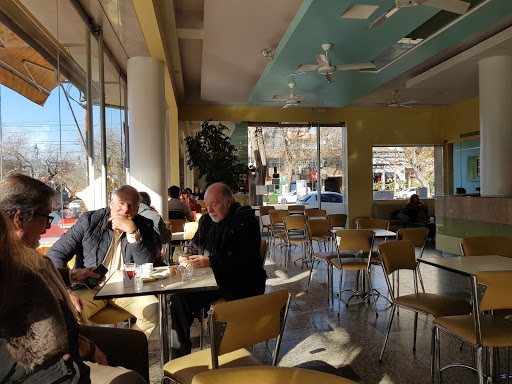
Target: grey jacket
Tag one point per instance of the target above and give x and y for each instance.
(91, 237)
(159, 227)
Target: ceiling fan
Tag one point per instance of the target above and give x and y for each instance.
(455, 6)
(325, 68)
(395, 104)
(293, 100)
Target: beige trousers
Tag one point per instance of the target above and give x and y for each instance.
(104, 374)
(144, 308)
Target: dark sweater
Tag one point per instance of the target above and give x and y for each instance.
(233, 246)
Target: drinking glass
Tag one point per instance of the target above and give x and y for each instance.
(130, 269)
(189, 270)
(138, 278)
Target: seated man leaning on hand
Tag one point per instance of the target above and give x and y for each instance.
(227, 240)
(112, 236)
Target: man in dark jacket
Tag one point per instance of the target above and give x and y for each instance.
(227, 240)
(112, 236)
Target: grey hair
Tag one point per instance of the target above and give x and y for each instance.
(24, 194)
(227, 193)
(129, 189)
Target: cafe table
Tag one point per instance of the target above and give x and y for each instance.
(203, 279)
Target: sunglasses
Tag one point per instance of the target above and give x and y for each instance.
(48, 218)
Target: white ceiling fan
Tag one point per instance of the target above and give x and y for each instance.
(395, 104)
(455, 6)
(293, 100)
(325, 68)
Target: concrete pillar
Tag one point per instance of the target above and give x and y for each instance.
(147, 119)
(495, 81)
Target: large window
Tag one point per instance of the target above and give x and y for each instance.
(399, 172)
(286, 157)
(44, 114)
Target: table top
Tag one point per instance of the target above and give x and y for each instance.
(377, 232)
(182, 236)
(202, 280)
(470, 265)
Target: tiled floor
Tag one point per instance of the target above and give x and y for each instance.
(349, 344)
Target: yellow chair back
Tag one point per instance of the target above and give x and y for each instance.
(276, 216)
(373, 224)
(338, 219)
(318, 227)
(315, 212)
(297, 222)
(397, 255)
(486, 245)
(176, 225)
(355, 240)
(265, 209)
(498, 294)
(417, 236)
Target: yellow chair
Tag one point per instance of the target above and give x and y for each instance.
(175, 225)
(234, 326)
(296, 209)
(354, 243)
(418, 237)
(319, 231)
(264, 214)
(276, 227)
(315, 212)
(372, 224)
(295, 233)
(486, 245)
(268, 375)
(338, 220)
(399, 255)
(478, 329)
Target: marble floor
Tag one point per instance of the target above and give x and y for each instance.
(349, 344)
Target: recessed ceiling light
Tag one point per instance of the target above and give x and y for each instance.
(359, 11)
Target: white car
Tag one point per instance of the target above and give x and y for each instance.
(288, 198)
(332, 202)
(406, 193)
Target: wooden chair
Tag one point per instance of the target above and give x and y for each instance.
(418, 237)
(486, 245)
(265, 218)
(276, 227)
(479, 329)
(268, 375)
(399, 255)
(296, 209)
(295, 234)
(234, 326)
(364, 223)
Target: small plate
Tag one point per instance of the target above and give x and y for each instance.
(160, 275)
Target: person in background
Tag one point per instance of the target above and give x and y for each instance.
(198, 194)
(228, 240)
(177, 208)
(161, 232)
(112, 236)
(414, 211)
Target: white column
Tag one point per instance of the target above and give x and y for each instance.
(495, 81)
(146, 113)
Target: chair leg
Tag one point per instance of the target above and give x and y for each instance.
(433, 354)
(415, 331)
(309, 280)
(479, 365)
(438, 354)
(201, 330)
(339, 290)
(390, 321)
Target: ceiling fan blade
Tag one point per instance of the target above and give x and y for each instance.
(312, 103)
(455, 6)
(347, 67)
(299, 97)
(286, 106)
(280, 97)
(307, 68)
(401, 105)
(409, 102)
(322, 60)
(331, 77)
(391, 11)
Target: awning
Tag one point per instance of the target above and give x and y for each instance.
(24, 70)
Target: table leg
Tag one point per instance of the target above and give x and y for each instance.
(164, 332)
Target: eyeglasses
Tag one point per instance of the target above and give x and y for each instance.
(48, 218)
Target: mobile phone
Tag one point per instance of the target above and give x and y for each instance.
(91, 282)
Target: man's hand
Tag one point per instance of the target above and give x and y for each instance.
(77, 303)
(120, 223)
(99, 357)
(83, 273)
(200, 261)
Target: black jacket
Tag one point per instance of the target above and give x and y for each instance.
(90, 239)
(233, 246)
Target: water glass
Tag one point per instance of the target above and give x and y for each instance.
(138, 279)
(189, 270)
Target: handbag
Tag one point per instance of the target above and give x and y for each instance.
(63, 371)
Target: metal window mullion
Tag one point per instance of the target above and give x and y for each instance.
(102, 120)
(89, 133)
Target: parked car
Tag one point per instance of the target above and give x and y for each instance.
(332, 202)
(76, 204)
(288, 198)
(406, 193)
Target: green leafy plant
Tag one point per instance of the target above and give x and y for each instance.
(211, 151)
